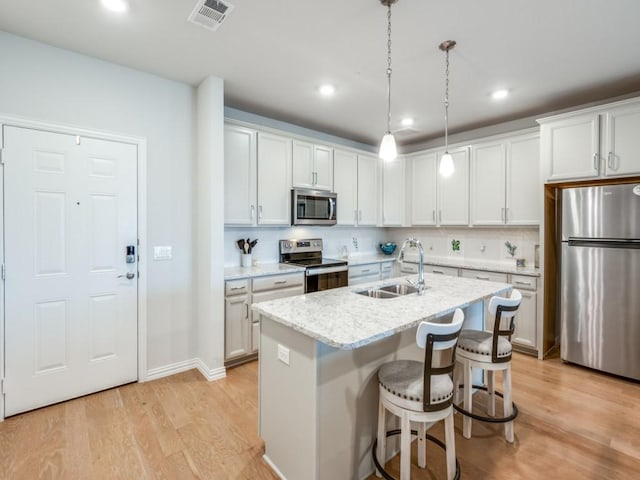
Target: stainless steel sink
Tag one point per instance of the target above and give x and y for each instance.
(399, 289)
(388, 291)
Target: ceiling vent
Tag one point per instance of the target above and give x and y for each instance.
(210, 13)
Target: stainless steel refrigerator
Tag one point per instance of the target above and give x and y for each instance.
(600, 278)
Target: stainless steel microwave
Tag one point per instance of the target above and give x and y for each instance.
(313, 207)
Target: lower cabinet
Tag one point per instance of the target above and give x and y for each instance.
(526, 320)
(369, 272)
(242, 328)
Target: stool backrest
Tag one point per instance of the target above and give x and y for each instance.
(503, 308)
(441, 337)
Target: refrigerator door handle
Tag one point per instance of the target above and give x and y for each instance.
(603, 243)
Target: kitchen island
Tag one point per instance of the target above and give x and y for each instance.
(319, 354)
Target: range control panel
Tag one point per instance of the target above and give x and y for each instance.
(301, 246)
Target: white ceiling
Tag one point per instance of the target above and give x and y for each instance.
(273, 54)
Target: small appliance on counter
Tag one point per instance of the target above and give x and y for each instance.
(321, 273)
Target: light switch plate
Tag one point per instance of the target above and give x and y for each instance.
(283, 354)
(162, 253)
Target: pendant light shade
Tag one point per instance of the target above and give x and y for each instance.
(388, 150)
(447, 167)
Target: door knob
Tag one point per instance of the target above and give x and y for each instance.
(129, 275)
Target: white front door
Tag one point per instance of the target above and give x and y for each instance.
(71, 309)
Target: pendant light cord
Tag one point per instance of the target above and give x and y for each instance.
(389, 67)
(446, 103)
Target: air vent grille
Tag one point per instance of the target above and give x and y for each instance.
(210, 13)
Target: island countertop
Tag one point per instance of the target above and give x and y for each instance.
(343, 319)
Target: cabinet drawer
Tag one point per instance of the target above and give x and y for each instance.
(524, 282)
(236, 287)
(368, 269)
(274, 282)
(482, 275)
(440, 270)
(409, 267)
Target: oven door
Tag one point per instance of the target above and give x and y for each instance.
(313, 207)
(324, 278)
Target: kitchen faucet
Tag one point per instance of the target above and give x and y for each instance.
(414, 242)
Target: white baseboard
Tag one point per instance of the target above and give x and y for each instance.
(273, 467)
(210, 374)
(167, 370)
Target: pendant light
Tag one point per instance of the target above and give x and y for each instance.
(388, 150)
(446, 162)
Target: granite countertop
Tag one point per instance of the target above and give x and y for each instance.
(262, 270)
(342, 319)
(484, 265)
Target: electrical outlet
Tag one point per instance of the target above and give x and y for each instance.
(283, 354)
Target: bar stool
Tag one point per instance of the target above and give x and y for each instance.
(422, 393)
(490, 351)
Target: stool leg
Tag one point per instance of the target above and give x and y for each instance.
(491, 392)
(456, 384)
(422, 445)
(450, 442)
(468, 406)
(382, 435)
(508, 402)
(405, 447)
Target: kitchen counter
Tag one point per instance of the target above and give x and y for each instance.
(234, 273)
(319, 354)
(364, 258)
(473, 264)
(343, 319)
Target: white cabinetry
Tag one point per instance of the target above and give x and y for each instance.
(257, 177)
(438, 200)
(240, 175)
(505, 181)
(312, 166)
(242, 328)
(423, 189)
(356, 183)
(237, 323)
(392, 192)
(387, 270)
(599, 142)
(526, 319)
(369, 272)
(441, 270)
(274, 184)
(453, 191)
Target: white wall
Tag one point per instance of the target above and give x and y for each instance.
(40, 82)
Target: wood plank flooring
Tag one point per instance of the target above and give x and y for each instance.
(573, 423)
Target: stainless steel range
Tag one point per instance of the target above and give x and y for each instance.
(321, 273)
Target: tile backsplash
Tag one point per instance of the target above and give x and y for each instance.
(475, 243)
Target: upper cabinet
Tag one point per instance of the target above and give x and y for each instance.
(312, 166)
(505, 181)
(438, 200)
(392, 192)
(356, 183)
(257, 169)
(453, 191)
(240, 175)
(596, 143)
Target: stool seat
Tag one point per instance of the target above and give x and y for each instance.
(405, 379)
(481, 342)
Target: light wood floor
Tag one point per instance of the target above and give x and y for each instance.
(573, 423)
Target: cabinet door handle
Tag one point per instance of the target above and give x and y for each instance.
(246, 310)
(502, 215)
(237, 288)
(280, 282)
(610, 159)
(253, 211)
(595, 162)
(438, 271)
(259, 212)
(367, 270)
(433, 216)
(355, 216)
(518, 282)
(479, 277)
(506, 215)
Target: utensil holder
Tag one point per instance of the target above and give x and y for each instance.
(245, 259)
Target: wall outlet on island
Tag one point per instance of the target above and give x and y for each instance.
(283, 354)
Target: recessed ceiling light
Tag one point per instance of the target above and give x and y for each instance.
(327, 90)
(407, 122)
(500, 94)
(116, 5)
